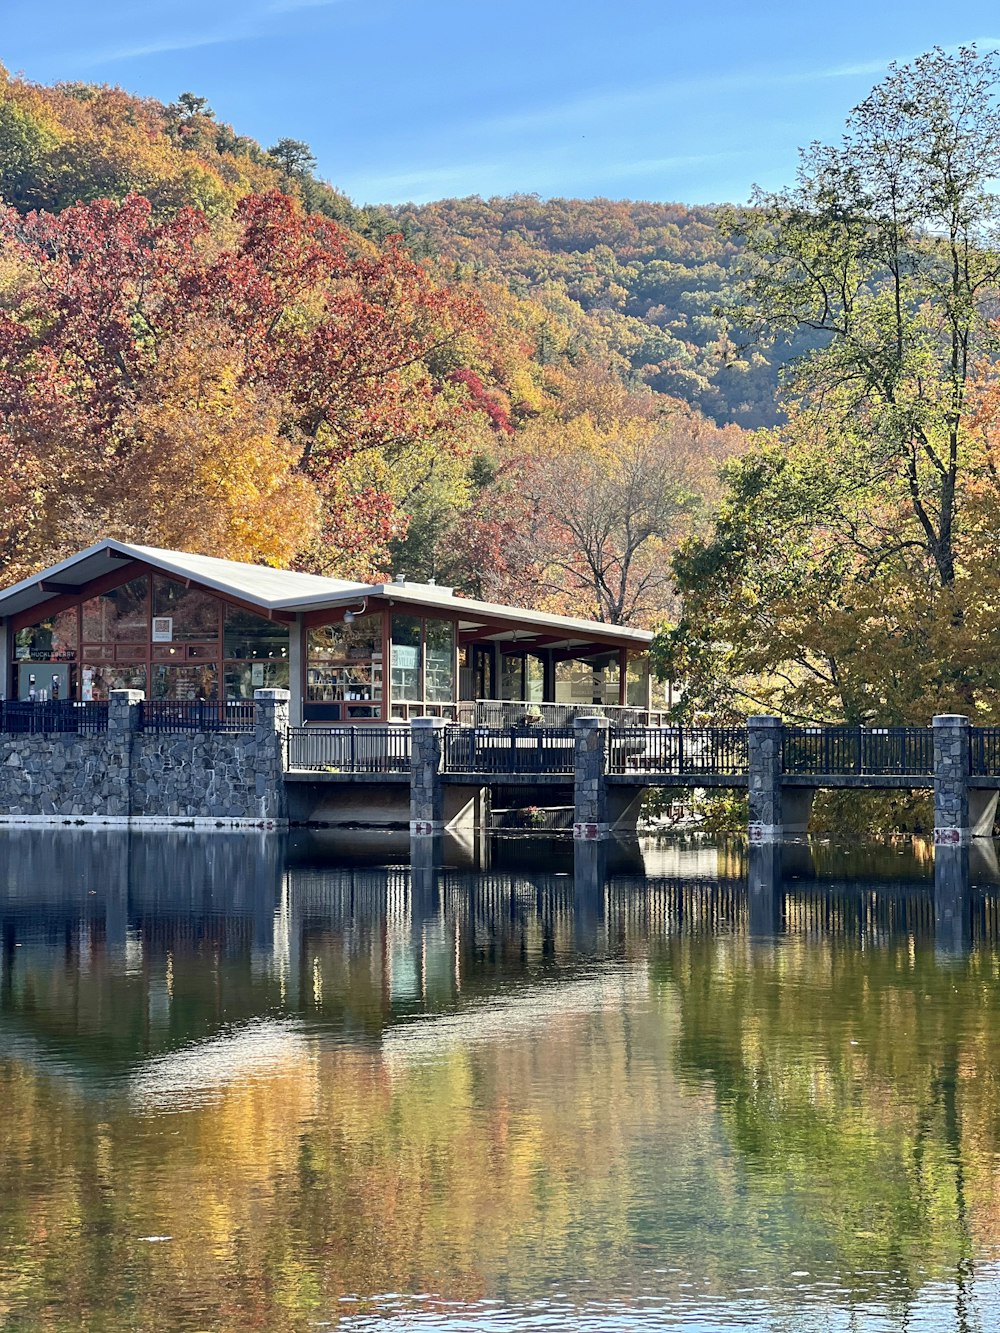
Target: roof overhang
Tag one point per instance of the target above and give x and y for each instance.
(290, 592)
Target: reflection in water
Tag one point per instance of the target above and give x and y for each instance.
(289, 1083)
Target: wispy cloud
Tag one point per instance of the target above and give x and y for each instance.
(244, 26)
(601, 106)
(159, 46)
(420, 184)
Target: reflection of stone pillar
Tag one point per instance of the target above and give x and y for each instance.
(764, 741)
(590, 787)
(764, 888)
(951, 779)
(952, 899)
(426, 786)
(590, 859)
(425, 862)
(270, 732)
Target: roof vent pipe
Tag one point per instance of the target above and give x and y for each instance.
(400, 578)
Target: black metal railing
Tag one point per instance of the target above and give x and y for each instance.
(21, 717)
(500, 750)
(984, 752)
(871, 751)
(349, 749)
(678, 750)
(172, 715)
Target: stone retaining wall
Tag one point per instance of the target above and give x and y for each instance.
(125, 775)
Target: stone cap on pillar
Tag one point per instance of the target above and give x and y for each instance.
(591, 723)
(764, 720)
(950, 720)
(126, 696)
(427, 723)
(272, 696)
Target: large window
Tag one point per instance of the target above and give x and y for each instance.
(440, 660)
(344, 669)
(407, 664)
(592, 680)
(118, 616)
(424, 666)
(184, 615)
(154, 634)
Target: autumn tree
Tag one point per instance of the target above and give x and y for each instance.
(837, 582)
(326, 368)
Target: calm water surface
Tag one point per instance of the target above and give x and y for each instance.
(294, 1084)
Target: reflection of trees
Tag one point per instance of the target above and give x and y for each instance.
(336, 1174)
(858, 1089)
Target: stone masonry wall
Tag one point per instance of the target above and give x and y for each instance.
(64, 775)
(123, 773)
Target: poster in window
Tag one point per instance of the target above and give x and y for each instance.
(257, 675)
(163, 629)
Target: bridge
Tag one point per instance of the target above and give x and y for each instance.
(600, 770)
(143, 761)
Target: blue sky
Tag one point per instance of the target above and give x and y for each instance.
(399, 101)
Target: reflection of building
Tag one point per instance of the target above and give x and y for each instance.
(183, 626)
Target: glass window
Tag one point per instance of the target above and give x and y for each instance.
(242, 678)
(99, 678)
(406, 674)
(440, 661)
(638, 682)
(119, 616)
(52, 640)
(183, 613)
(186, 682)
(534, 678)
(587, 681)
(512, 676)
(344, 662)
(251, 636)
(483, 670)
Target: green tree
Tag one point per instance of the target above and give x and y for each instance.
(845, 544)
(294, 157)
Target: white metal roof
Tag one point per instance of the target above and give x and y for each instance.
(287, 590)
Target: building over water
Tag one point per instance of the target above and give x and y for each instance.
(181, 626)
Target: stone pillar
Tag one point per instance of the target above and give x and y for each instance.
(270, 732)
(123, 723)
(426, 786)
(590, 787)
(764, 739)
(951, 779)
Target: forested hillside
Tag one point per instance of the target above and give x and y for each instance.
(636, 285)
(203, 345)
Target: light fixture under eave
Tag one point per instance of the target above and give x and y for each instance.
(350, 616)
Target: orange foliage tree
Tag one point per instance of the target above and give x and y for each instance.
(167, 379)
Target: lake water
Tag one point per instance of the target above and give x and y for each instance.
(295, 1084)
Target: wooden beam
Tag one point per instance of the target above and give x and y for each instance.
(67, 589)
